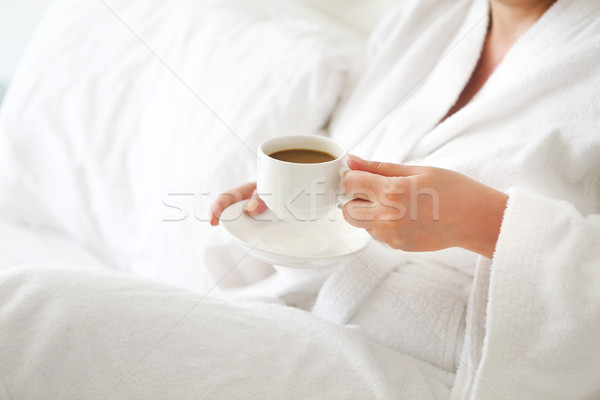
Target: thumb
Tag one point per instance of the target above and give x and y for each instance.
(255, 206)
(380, 168)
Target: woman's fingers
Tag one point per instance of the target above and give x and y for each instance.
(364, 185)
(380, 168)
(255, 206)
(360, 213)
(228, 198)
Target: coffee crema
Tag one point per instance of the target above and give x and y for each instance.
(302, 156)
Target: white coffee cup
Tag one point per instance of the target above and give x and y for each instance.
(301, 191)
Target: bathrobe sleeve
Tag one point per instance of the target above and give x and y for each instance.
(534, 318)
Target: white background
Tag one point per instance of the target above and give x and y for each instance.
(18, 19)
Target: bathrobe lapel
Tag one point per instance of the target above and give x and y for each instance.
(434, 94)
(512, 86)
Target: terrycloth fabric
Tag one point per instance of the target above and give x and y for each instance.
(415, 308)
(534, 330)
(352, 283)
(94, 334)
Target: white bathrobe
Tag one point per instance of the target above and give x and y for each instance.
(524, 325)
(533, 320)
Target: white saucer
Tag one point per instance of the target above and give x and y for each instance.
(296, 244)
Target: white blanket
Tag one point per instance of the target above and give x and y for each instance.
(94, 334)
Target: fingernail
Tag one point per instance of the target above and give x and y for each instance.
(354, 158)
(251, 206)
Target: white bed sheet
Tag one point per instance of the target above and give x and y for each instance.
(106, 146)
(22, 244)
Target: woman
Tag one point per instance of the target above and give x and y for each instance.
(503, 93)
(506, 97)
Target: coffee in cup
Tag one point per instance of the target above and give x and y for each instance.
(302, 156)
(300, 177)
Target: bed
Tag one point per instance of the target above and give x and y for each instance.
(121, 119)
(117, 131)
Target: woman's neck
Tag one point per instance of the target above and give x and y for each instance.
(512, 18)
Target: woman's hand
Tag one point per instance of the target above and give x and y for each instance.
(423, 208)
(248, 191)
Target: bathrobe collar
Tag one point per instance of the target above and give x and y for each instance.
(412, 131)
(435, 94)
(550, 33)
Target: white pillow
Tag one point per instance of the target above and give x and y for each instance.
(114, 109)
